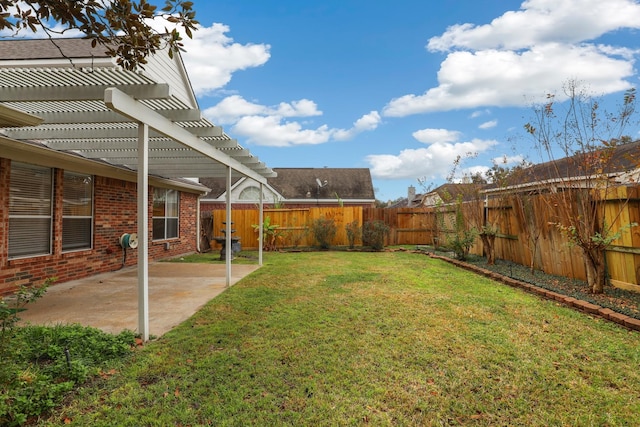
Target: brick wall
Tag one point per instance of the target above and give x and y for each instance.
(114, 214)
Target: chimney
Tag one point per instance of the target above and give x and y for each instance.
(411, 194)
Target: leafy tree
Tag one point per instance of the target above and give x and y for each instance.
(588, 138)
(122, 27)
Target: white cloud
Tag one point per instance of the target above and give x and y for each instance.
(429, 136)
(541, 22)
(488, 125)
(508, 78)
(233, 108)
(268, 125)
(479, 113)
(275, 132)
(212, 42)
(432, 162)
(525, 54)
(368, 122)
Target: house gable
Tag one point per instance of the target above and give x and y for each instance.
(303, 186)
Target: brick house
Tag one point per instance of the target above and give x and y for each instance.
(295, 188)
(71, 180)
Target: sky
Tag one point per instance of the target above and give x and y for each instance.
(401, 87)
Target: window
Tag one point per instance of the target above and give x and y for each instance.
(165, 213)
(30, 210)
(77, 211)
(250, 193)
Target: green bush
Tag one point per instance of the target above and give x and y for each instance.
(461, 243)
(373, 234)
(354, 232)
(42, 363)
(324, 230)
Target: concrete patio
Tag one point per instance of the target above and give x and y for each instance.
(109, 301)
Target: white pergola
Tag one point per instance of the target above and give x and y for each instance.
(147, 123)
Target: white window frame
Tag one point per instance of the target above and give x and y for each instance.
(251, 193)
(70, 216)
(30, 224)
(160, 195)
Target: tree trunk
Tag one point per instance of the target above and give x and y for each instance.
(488, 241)
(595, 266)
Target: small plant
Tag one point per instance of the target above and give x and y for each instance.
(461, 243)
(463, 238)
(324, 230)
(373, 234)
(354, 232)
(11, 306)
(270, 234)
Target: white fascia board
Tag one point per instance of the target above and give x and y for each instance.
(120, 102)
(568, 182)
(88, 63)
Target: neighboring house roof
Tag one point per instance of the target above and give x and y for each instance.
(401, 203)
(302, 184)
(449, 193)
(217, 186)
(621, 161)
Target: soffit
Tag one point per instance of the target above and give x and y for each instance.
(76, 119)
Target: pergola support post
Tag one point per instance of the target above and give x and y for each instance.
(228, 253)
(261, 229)
(143, 231)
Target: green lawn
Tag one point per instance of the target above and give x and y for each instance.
(341, 338)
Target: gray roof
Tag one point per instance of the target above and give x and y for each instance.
(49, 49)
(298, 183)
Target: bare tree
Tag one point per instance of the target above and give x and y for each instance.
(589, 141)
(122, 27)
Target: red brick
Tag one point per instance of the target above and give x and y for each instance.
(618, 317)
(632, 323)
(606, 312)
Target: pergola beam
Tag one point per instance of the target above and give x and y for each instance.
(183, 115)
(120, 102)
(90, 133)
(83, 93)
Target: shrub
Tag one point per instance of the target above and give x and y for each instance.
(42, 363)
(373, 234)
(461, 243)
(354, 232)
(324, 230)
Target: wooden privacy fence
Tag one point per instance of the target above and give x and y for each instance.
(293, 225)
(526, 231)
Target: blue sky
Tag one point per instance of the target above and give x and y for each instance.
(401, 87)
